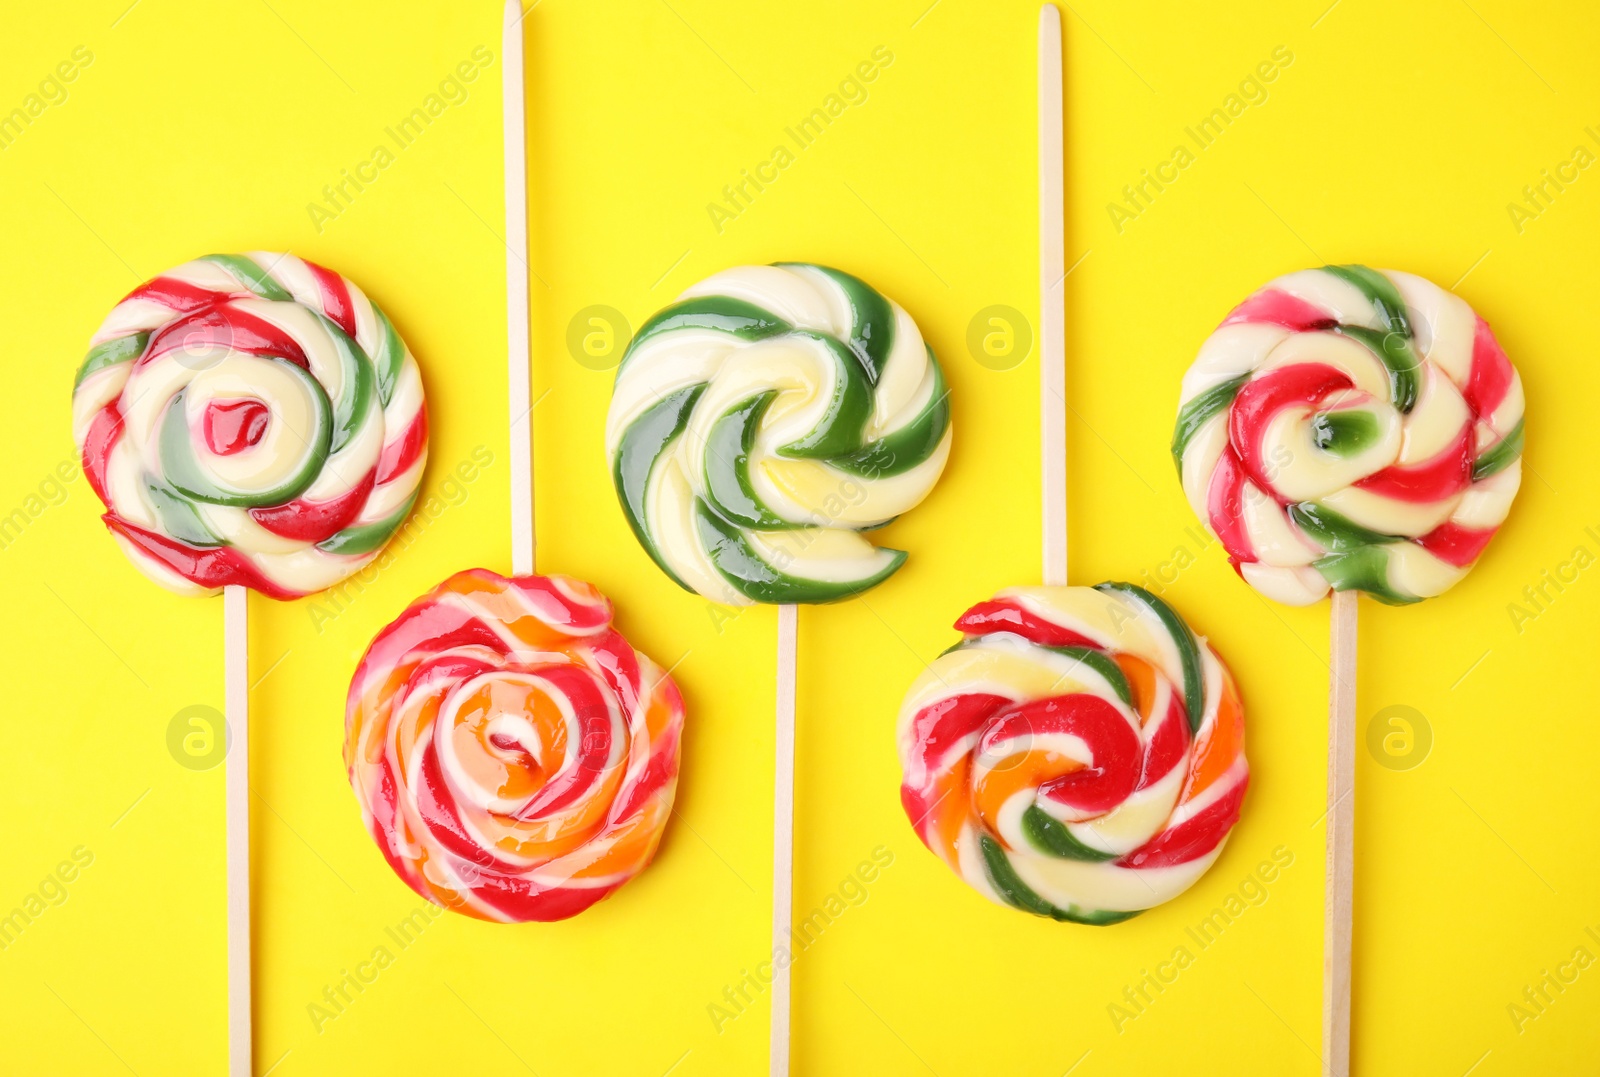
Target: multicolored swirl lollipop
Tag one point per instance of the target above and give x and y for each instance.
(1350, 430)
(514, 757)
(249, 421)
(1078, 755)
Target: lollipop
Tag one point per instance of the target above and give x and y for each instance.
(1079, 754)
(758, 425)
(763, 421)
(1350, 430)
(250, 422)
(514, 758)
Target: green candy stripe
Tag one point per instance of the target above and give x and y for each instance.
(752, 576)
(365, 538)
(1334, 531)
(871, 318)
(1380, 291)
(1500, 455)
(1197, 412)
(1392, 346)
(109, 353)
(1396, 354)
(839, 431)
(354, 407)
(1194, 691)
(1102, 664)
(1365, 568)
(722, 313)
(1018, 894)
(178, 515)
(252, 276)
(390, 358)
(909, 446)
(1344, 433)
(643, 443)
(1052, 837)
(727, 466)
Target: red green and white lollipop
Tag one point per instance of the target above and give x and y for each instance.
(251, 422)
(1350, 430)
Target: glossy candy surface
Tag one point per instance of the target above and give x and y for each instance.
(250, 419)
(514, 757)
(763, 421)
(1078, 755)
(1351, 429)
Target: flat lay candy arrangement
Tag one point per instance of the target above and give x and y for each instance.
(1072, 758)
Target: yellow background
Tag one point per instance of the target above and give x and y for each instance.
(1397, 136)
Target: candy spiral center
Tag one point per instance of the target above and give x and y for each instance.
(232, 426)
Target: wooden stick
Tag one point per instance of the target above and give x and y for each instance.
(517, 346)
(783, 836)
(236, 774)
(1052, 300)
(1339, 898)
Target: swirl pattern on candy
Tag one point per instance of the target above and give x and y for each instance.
(514, 757)
(1351, 429)
(764, 420)
(1078, 755)
(250, 419)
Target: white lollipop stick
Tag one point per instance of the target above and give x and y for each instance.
(236, 775)
(517, 348)
(783, 836)
(1339, 897)
(1052, 301)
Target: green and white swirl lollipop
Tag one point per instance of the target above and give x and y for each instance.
(765, 420)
